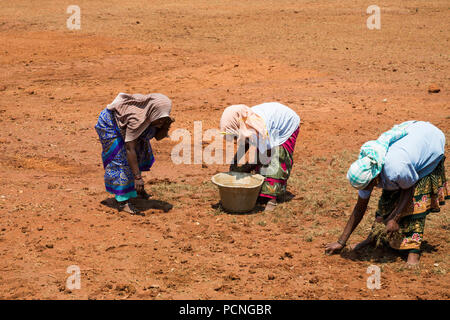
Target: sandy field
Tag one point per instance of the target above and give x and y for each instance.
(347, 83)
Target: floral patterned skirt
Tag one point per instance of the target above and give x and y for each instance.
(279, 169)
(429, 194)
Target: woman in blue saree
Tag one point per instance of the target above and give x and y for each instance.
(125, 128)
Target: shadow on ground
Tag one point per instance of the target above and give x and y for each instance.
(383, 253)
(141, 204)
(287, 197)
(258, 208)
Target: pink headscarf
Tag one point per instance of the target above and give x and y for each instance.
(239, 120)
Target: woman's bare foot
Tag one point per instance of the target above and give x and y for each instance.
(413, 260)
(271, 205)
(130, 208)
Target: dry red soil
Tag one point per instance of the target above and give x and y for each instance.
(347, 83)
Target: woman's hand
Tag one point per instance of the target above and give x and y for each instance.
(392, 226)
(333, 248)
(139, 185)
(244, 168)
(242, 150)
(248, 167)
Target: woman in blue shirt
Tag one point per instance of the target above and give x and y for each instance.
(407, 162)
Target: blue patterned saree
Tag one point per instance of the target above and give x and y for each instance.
(119, 179)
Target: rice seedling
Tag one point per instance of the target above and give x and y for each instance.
(262, 223)
(380, 235)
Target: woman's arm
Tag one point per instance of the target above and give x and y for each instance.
(392, 220)
(358, 212)
(242, 150)
(130, 147)
(264, 159)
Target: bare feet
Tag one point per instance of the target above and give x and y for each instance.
(130, 208)
(413, 260)
(271, 205)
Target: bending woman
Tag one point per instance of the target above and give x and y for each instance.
(271, 129)
(125, 128)
(407, 162)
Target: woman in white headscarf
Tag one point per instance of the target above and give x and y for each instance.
(271, 130)
(125, 128)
